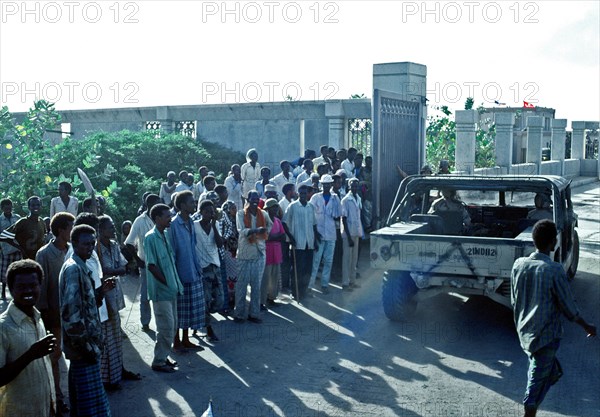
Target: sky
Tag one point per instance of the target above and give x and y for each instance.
(106, 54)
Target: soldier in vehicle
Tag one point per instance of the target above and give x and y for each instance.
(543, 208)
(450, 202)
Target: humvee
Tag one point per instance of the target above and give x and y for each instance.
(425, 252)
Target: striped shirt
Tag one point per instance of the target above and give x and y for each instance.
(540, 292)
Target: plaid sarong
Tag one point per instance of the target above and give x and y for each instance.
(5, 261)
(191, 308)
(111, 363)
(544, 371)
(86, 392)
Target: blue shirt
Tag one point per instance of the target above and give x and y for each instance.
(540, 293)
(182, 238)
(159, 252)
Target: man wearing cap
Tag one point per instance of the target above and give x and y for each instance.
(328, 209)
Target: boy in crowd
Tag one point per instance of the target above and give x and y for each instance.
(163, 287)
(208, 242)
(51, 258)
(26, 383)
(191, 308)
(135, 242)
(81, 329)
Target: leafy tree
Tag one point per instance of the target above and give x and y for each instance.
(121, 165)
(25, 154)
(440, 138)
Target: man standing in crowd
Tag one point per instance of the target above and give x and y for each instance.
(540, 294)
(289, 193)
(300, 225)
(253, 225)
(284, 177)
(64, 201)
(328, 209)
(209, 185)
(81, 331)
(163, 287)
(324, 158)
(250, 171)
(8, 253)
(191, 303)
(199, 187)
(234, 186)
(208, 242)
(168, 188)
(348, 163)
(135, 242)
(30, 231)
(184, 179)
(26, 384)
(51, 258)
(351, 231)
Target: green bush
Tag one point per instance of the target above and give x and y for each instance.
(121, 165)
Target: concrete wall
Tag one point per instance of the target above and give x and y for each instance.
(551, 168)
(571, 168)
(274, 129)
(523, 169)
(589, 168)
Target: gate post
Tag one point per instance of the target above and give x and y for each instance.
(578, 140)
(504, 140)
(334, 111)
(534, 141)
(465, 141)
(558, 141)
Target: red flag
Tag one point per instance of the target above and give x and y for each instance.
(528, 105)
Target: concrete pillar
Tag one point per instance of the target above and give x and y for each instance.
(535, 124)
(465, 140)
(163, 115)
(407, 78)
(504, 139)
(334, 111)
(578, 140)
(559, 137)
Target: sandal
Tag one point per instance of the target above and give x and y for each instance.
(131, 376)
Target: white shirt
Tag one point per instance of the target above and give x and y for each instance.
(325, 214)
(300, 221)
(206, 247)
(234, 190)
(249, 177)
(351, 211)
(348, 167)
(141, 225)
(57, 206)
(280, 180)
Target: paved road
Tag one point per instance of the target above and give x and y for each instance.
(339, 356)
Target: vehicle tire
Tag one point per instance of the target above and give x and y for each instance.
(398, 295)
(575, 260)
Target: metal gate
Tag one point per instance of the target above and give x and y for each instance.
(398, 141)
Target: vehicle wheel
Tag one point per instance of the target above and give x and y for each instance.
(397, 295)
(575, 260)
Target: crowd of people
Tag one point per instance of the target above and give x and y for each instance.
(198, 247)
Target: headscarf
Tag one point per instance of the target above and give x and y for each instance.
(249, 152)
